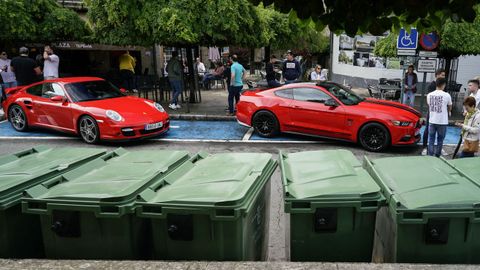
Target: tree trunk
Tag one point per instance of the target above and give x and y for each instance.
(252, 61)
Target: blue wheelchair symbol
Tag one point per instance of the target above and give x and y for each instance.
(406, 40)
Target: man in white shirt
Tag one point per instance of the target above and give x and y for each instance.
(8, 77)
(474, 91)
(440, 107)
(200, 67)
(50, 66)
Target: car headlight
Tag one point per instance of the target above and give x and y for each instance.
(114, 116)
(401, 123)
(158, 107)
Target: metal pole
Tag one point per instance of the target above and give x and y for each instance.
(422, 101)
(402, 83)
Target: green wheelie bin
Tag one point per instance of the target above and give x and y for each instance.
(433, 213)
(468, 166)
(332, 202)
(20, 235)
(213, 207)
(88, 213)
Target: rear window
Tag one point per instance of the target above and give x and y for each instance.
(285, 93)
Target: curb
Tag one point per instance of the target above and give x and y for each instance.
(202, 117)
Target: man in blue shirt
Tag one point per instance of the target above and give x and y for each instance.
(236, 84)
(291, 69)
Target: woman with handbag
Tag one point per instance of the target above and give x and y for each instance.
(470, 128)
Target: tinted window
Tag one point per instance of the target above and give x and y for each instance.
(52, 89)
(36, 90)
(286, 93)
(345, 95)
(310, 94)
(93, 90)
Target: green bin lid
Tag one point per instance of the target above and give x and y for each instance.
(30, 167)
(424, 183)
(468, 166)
(328, 175)
(210, 180)
(114, 179)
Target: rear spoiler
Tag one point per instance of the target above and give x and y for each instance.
(12, 90)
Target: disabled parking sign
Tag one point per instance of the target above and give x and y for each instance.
(407, 41)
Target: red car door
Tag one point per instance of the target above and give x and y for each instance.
(310, 114)
(56, 113)
(30, 101)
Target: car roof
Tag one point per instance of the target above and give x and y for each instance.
(300, 84)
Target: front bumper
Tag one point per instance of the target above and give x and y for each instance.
(406, 135)
(111, 132)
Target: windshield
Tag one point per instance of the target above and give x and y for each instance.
(93, 90)
(345, 95)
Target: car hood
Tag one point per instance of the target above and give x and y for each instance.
(390, 107)
(132, 109)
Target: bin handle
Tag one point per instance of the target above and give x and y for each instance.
(367, 164)
(53, 182)
(282, 171)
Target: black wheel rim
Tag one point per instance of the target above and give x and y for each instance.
(17, 118)
(374, 138)
(88, 130)
(264, 124)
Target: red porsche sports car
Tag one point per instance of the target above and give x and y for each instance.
(87, 106)
(329, 110)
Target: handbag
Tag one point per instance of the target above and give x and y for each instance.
(470, 146)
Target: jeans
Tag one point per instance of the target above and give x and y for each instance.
(410, 97)
(273, 83)
(209, 77)
(290, 81)
(439, 132)
(6, 85)
(127, 79)
(233, 92)
(176, 90)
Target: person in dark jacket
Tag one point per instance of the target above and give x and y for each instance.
(272, 82)
(410, 87)
(291, 69)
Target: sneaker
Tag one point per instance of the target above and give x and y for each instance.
(424, 152)
(444, 153)
(135, 91)
(178, 106)
(172, 106)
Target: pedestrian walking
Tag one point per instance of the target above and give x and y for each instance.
(127, 71)
(410, 87)
(291, 69)
(26, 69)
(175, 72)
(270, 76)
(50, 64)
(470, 128)
(440, 107)
(238, 74)
(8, 77)
(439, 73)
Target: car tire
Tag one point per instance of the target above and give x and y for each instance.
(88, 130)
(18, 118)
(265, 124)
(374, 137)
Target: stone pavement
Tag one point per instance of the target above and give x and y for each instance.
(161, 265)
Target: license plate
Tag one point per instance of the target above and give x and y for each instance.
(153, 126)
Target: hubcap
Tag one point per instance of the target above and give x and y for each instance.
(264, 124)
(374, 137)
(17, 118)
(88, 130)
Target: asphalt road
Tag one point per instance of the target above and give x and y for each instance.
(278, 220)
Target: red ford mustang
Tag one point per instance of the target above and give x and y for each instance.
(87, 106)
(329, 110)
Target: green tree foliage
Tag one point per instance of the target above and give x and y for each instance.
(456, 38)
(376, 17)
(39, 21)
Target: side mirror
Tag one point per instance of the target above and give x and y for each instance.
(58, 99)
(331, 103)
(123, 90)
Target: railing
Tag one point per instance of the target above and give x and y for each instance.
(73, 4)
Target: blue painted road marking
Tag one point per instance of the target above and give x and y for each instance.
(201, 131)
